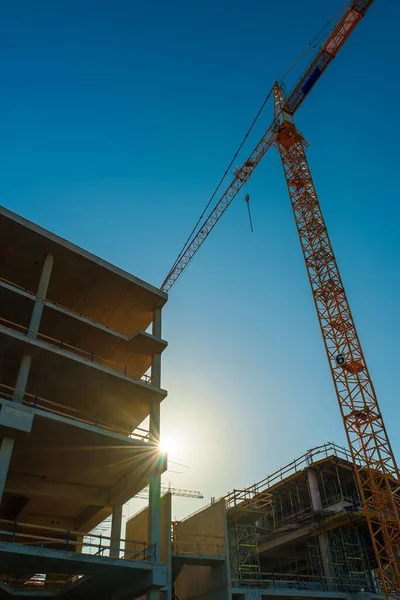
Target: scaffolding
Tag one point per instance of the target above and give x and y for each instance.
(244, 555)
(349, 559)
(259, 515)
(314, 557)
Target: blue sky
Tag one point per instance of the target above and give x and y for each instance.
(117, 120)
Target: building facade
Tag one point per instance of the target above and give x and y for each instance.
(80, 371)
(299, 532)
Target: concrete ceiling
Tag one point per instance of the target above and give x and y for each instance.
(84, 336)
(80, 281)
(73, 382)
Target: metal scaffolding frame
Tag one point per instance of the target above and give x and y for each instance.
(244, 556)
(349, 559)
(258, 515)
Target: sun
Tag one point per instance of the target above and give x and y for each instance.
(167, 445)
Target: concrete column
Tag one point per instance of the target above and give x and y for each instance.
(6, 448)
(156, 359)
(323, 542)
(154, 430)
(22, 378)
(323, 539)
(316, 501)
(24, 368)
(116, 525)
(7, 444)
(41, 296)
(156, 331)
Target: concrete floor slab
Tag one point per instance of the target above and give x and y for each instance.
(81, 281)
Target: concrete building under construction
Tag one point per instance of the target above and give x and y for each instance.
(299, 532)
(80, 370)
(80, 374)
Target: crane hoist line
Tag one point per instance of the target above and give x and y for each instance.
(375, 466)
(300, 91)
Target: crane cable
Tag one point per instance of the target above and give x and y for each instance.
(223, 177)
(311, 45)
(316, 40)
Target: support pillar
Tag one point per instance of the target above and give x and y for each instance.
(6, 448)
(41, 296)
(154, 430)
(116, 525)
(34, 324)
(7, 444)
(22, 378)
(156, 360)
(155, 480)
(316, 501)
(323, 539)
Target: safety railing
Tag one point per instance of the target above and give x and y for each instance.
(357, 582)
(90, 356)
(199, 545)
(249, 500)
(306, 459)
(78, 541)
(9, 393)
(309, 457)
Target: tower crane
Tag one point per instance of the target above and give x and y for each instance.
(374, 462)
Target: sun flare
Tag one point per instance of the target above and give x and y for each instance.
(167, 445)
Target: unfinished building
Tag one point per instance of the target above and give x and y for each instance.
(80, 370)
(299, 532)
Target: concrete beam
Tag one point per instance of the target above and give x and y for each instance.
(158, 343)
(18, 558)
(16, 420)
(33, 344)
(33, 486)
(288, 538)
(25, 516)
(303, 531)
(37, 412)
(127, 487)
(91, 517)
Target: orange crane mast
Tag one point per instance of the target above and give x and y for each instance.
(375, 466)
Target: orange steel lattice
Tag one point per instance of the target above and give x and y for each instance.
(302, 88)
(374, 462)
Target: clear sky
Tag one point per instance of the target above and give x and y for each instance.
(118, 118)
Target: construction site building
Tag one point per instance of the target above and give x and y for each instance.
(301, 532)
(80, 371)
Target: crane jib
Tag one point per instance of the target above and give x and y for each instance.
(300, 91)
(361, 5)
(311, 80)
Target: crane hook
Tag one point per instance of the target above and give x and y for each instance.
(247, 200)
